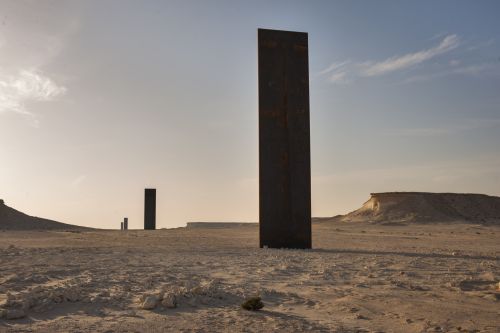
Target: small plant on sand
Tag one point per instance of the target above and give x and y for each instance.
(252, 304)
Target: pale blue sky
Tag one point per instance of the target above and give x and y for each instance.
(100, 99)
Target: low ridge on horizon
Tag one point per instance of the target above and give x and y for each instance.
(382, 207)
(12, 219)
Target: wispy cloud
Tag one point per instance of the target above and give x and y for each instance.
(478, 69)
(29, 43)
(25, 86)
(465, 125)
(411, 59)
(481, 44)
(474, 70)
(334, 66)
(78, 180)
(339, 77)
(335, 72)
(427, 176)
(425, 77)
(420, 132)
(346, 71)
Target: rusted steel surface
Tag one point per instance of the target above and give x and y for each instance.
(284, 140)
(149, 209)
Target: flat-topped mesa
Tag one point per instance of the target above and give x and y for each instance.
(427, 207)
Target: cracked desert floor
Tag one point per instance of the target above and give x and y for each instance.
(358, 278)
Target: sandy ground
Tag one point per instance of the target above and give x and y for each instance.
(358, 278)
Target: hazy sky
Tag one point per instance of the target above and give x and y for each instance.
(100, 99)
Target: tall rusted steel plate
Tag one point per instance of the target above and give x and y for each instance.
(284, 140)
(150, 209)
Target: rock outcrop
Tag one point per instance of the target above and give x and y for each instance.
(422, 207)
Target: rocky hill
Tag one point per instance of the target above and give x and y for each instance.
(11, 219)
(391, 207)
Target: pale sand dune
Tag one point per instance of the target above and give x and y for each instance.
(359, 278)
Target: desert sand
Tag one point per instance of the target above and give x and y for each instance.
(360, 277)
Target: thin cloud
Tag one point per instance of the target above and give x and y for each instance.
(347, 71)
(334, 66)
(339, 77)
(28, 44)
(26, 86)
(474, 70)
(411, 59)
(78, 180)
(478, 69)
(439, 36)
(426, 77)
(404, 176)
(482, 44)
(420, 132)
(465, 125)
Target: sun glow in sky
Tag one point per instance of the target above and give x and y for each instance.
(101, 99)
